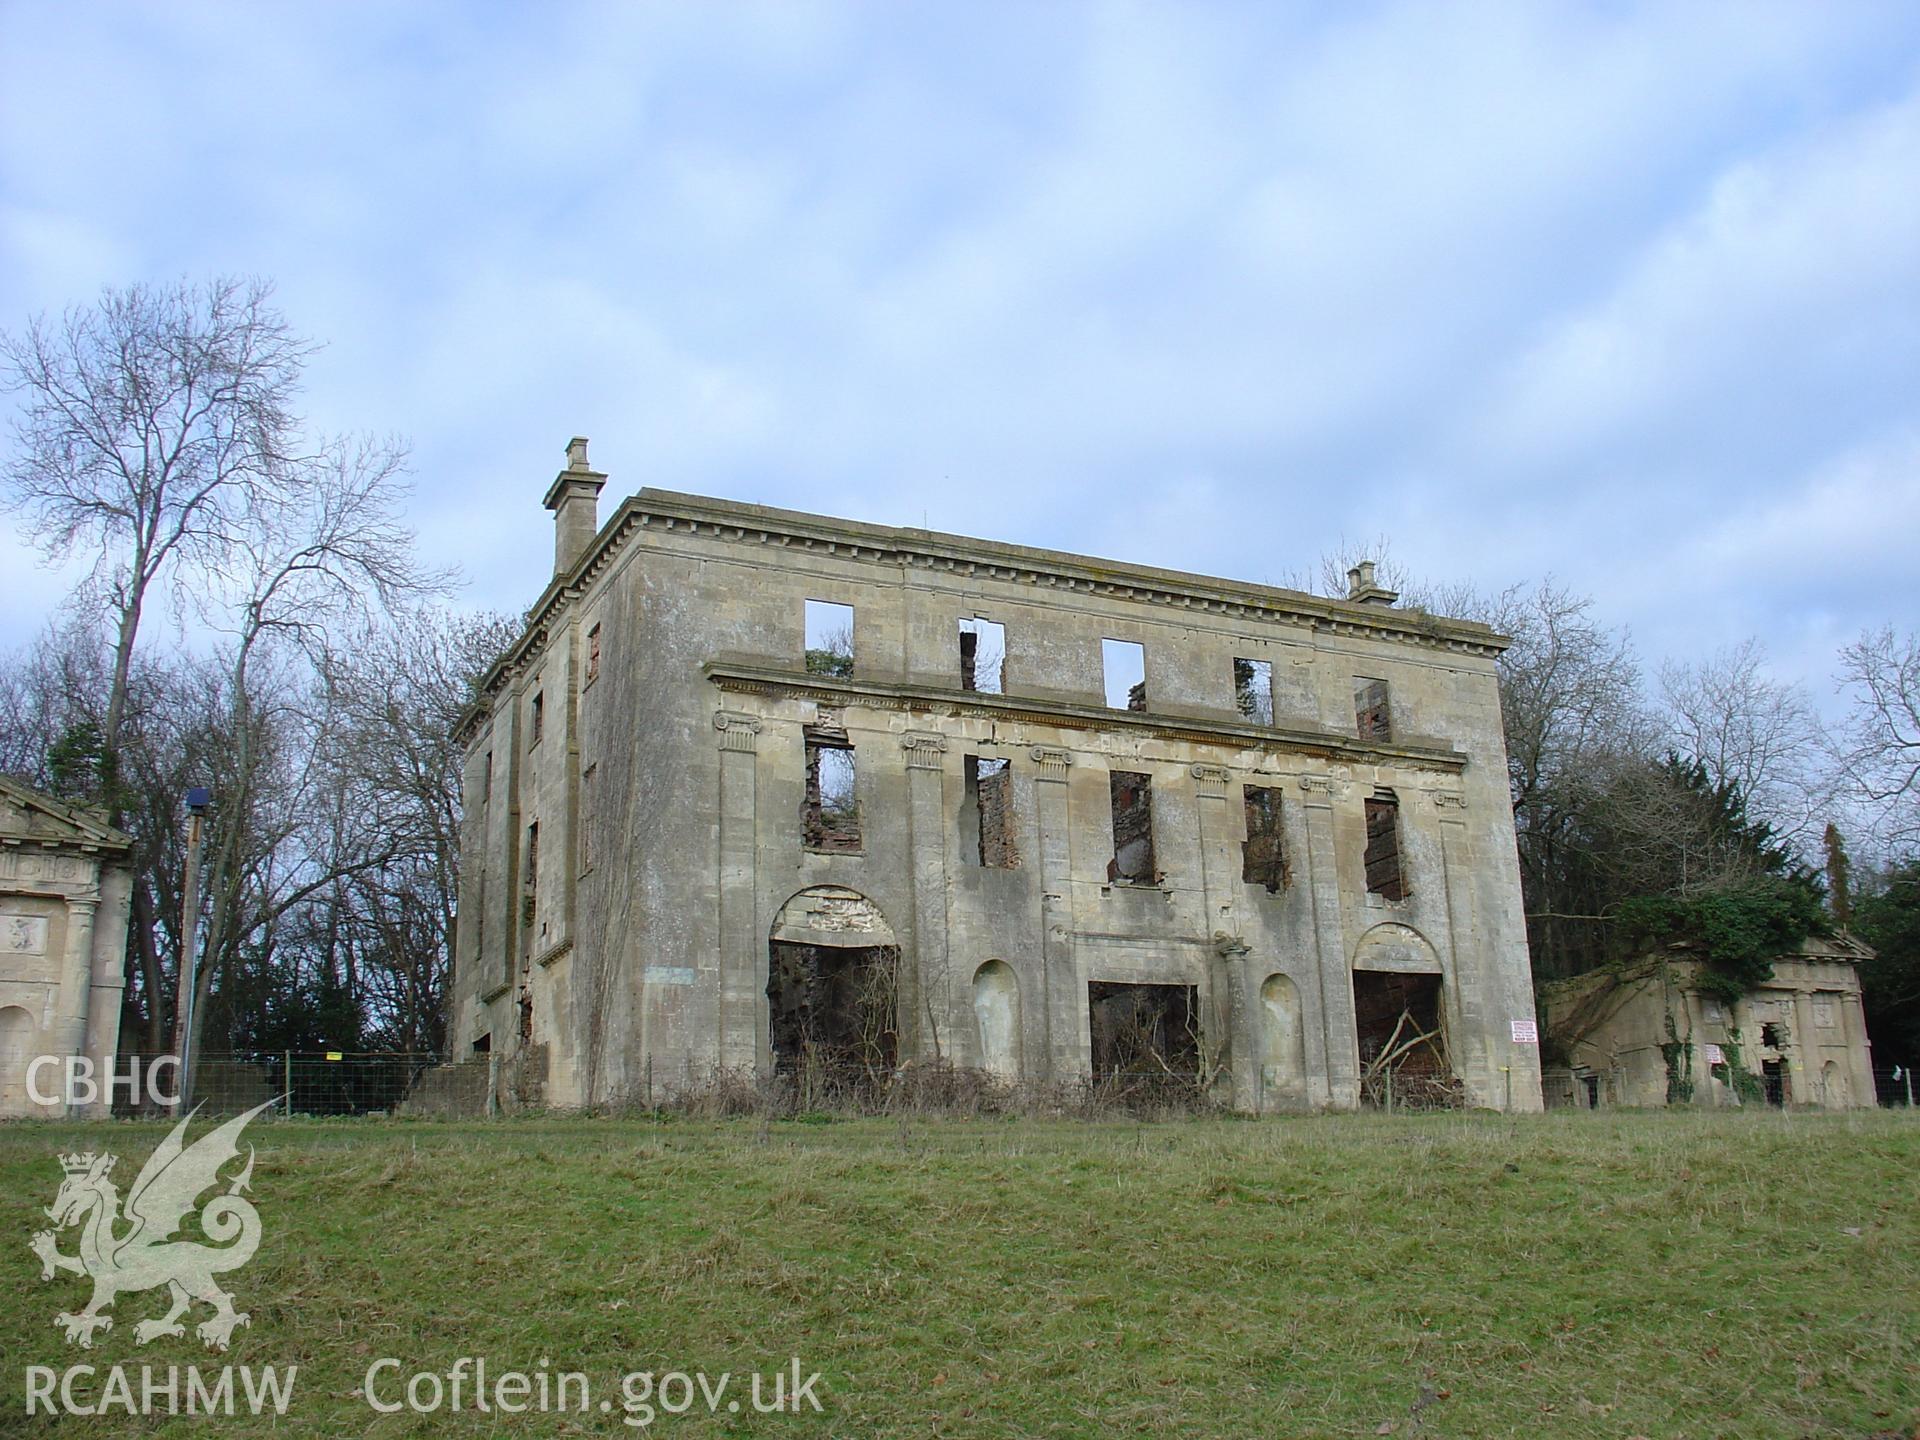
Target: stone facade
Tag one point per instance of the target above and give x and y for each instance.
(645, 828)
(1802, 1036)
(65, 885)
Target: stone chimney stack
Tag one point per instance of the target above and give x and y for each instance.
(1362, 590)
(575, 502)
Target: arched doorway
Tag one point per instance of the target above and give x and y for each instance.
(1283, 1066)
(833, 970)
(1399, 1011)
(16, 1050)
(996, 1014)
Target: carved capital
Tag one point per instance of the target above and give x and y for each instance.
(1446, 800)
(1211, 776)
(1317, 783)
(737, 732)
(923, 750)
(1052, 762)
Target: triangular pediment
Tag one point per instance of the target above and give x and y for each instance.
(28, 815)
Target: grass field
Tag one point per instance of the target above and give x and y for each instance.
(1613, 1274)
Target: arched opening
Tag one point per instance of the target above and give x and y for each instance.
(1833, 1086)
(996, 1013)
(1283, 1066)
(833, 1003)
(16, 1047)
(1399, 1011)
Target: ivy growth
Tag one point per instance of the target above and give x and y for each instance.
(1740, 929)
(1746, 1085)
(1678, 1055)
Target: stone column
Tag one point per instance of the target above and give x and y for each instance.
(743, 1037)
(1807, 1089)
(1338, 1085)
(1060, 999)
(926, 986)
(76, 979)
(1859, 1051)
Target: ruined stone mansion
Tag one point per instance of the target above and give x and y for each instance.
(758, 789)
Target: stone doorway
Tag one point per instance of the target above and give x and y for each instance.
(1144, 1033)
(1402, 1042)
(833, 992)
(834, 1010)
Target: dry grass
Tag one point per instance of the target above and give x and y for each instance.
(1684, 1274)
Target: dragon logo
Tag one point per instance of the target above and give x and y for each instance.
(146, 1256)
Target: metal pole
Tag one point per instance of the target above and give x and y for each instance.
(197, 800)
(286, 1074)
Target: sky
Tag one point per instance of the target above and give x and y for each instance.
(1626, 295)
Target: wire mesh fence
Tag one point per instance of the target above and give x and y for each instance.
(335, 1082)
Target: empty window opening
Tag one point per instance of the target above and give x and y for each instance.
(1253, 689)
(484, 1044)
(486, 783)
(1384, 876)
(1370, 714)
(829, 638)
(1402, 1044)
(1132, 861)
(537, 719)
(1143, 1034)
(1263, 858)
(834, 1015)
(987, 816)
(593, 654)
(1592, 1083)
(1774, 1036)
(1125, 663)
(831, 818)
(983, 655)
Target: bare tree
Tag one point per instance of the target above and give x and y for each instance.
(399, 689)
(329, 551)
(155, 427)
(1328, 576)
(1758, 735)
(1880, 749)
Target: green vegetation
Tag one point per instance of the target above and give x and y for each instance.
(1733, 889)
(1888, 919)
(1610, 1274)
(1740, 930)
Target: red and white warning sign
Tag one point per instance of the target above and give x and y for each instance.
(1715, 1055)
(1526, 1032)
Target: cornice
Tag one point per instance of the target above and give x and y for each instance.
(906, 548)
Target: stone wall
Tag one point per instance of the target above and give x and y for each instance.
(644, 945)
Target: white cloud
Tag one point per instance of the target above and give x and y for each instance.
(1536, 289)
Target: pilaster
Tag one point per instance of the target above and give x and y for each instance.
(1338, 1084)
(926, 988)
(1062, 1004)
(743, 1036)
